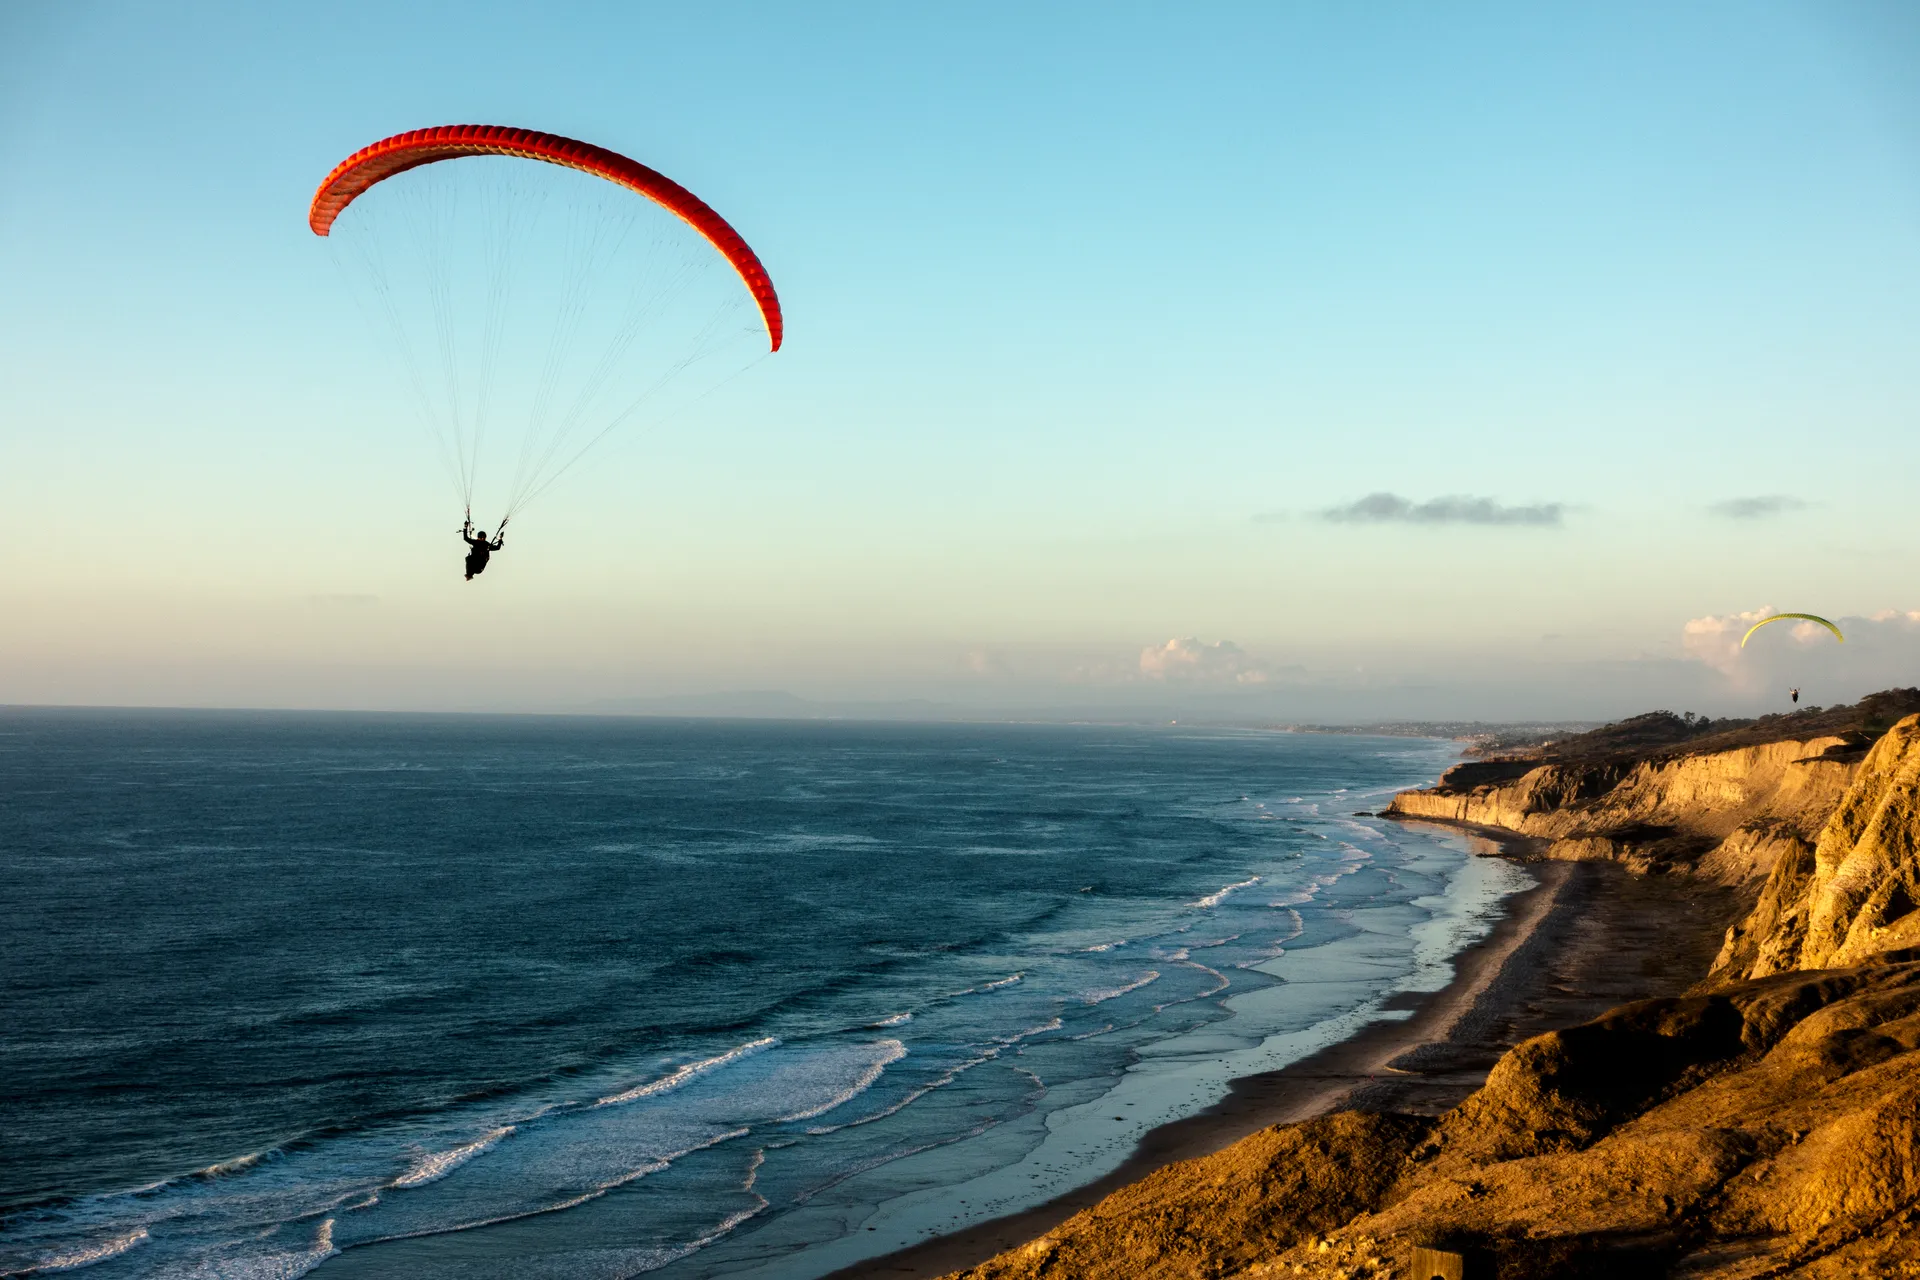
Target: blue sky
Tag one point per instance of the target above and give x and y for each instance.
(1093, 314)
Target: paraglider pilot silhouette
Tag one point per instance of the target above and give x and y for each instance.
(479, 548)
(548, 451)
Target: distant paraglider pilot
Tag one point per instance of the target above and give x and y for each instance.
(479, 549)
(1796, 696)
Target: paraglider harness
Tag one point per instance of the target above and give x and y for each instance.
(480, 549)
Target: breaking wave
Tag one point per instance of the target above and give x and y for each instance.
(86, 1257)
(891, 1051)
(692, 1071)
(436, 1165)
(1221, 894)
(1114, 993)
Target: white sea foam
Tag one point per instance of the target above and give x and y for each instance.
(1114, 993)
(995, 985)
(890, 1051)
(1221, 983)
(226, 1167)
(1108, 946)
(658, 1164)
(1275, 948)
(1051, 1024)
(438, 1164)
(90, 1254)
(912, 1097)
(219, 1169)
(692, 1071)
(1221, 894)
(653, 1259)
(1203, 946)
(271, 1266)
(896, 1020)
(729, 1223)
(1000, 1045)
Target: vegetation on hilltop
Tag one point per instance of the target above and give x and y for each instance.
(1664, 734)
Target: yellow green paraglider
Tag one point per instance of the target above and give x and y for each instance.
(1805, 617)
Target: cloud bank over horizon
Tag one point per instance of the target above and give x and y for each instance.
(1191, 659)
(1882, 651)
(1391, 508)
(1759, 507)
(1185, 677)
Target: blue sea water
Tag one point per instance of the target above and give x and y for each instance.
(578, 997)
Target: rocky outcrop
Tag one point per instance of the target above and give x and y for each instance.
(1856, 892)
(1731, 815)
(1770, 1128)
(1220, 1214)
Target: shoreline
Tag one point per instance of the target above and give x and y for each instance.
(1587, 936)
(1426, 1062)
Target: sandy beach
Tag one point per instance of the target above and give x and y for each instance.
(1583, 938)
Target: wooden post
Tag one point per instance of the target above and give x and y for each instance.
(1438, 1264)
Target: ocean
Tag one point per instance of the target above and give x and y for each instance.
(358, 995)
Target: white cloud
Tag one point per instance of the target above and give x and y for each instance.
(1882, 650)
(1391, 508)
(1759, 507)
(1716, 640)
(985, 662)
(1190, 659)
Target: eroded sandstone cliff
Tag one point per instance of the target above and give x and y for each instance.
(1730, 814)
(1856, 892)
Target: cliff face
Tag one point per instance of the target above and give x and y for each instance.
(1728, 814)
(1836, 842)
(1856, 892)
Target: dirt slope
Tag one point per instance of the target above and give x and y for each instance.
(1772, 1128)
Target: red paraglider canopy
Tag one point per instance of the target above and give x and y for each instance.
(361, 170)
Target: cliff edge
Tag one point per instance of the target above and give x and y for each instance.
(1730, 814)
